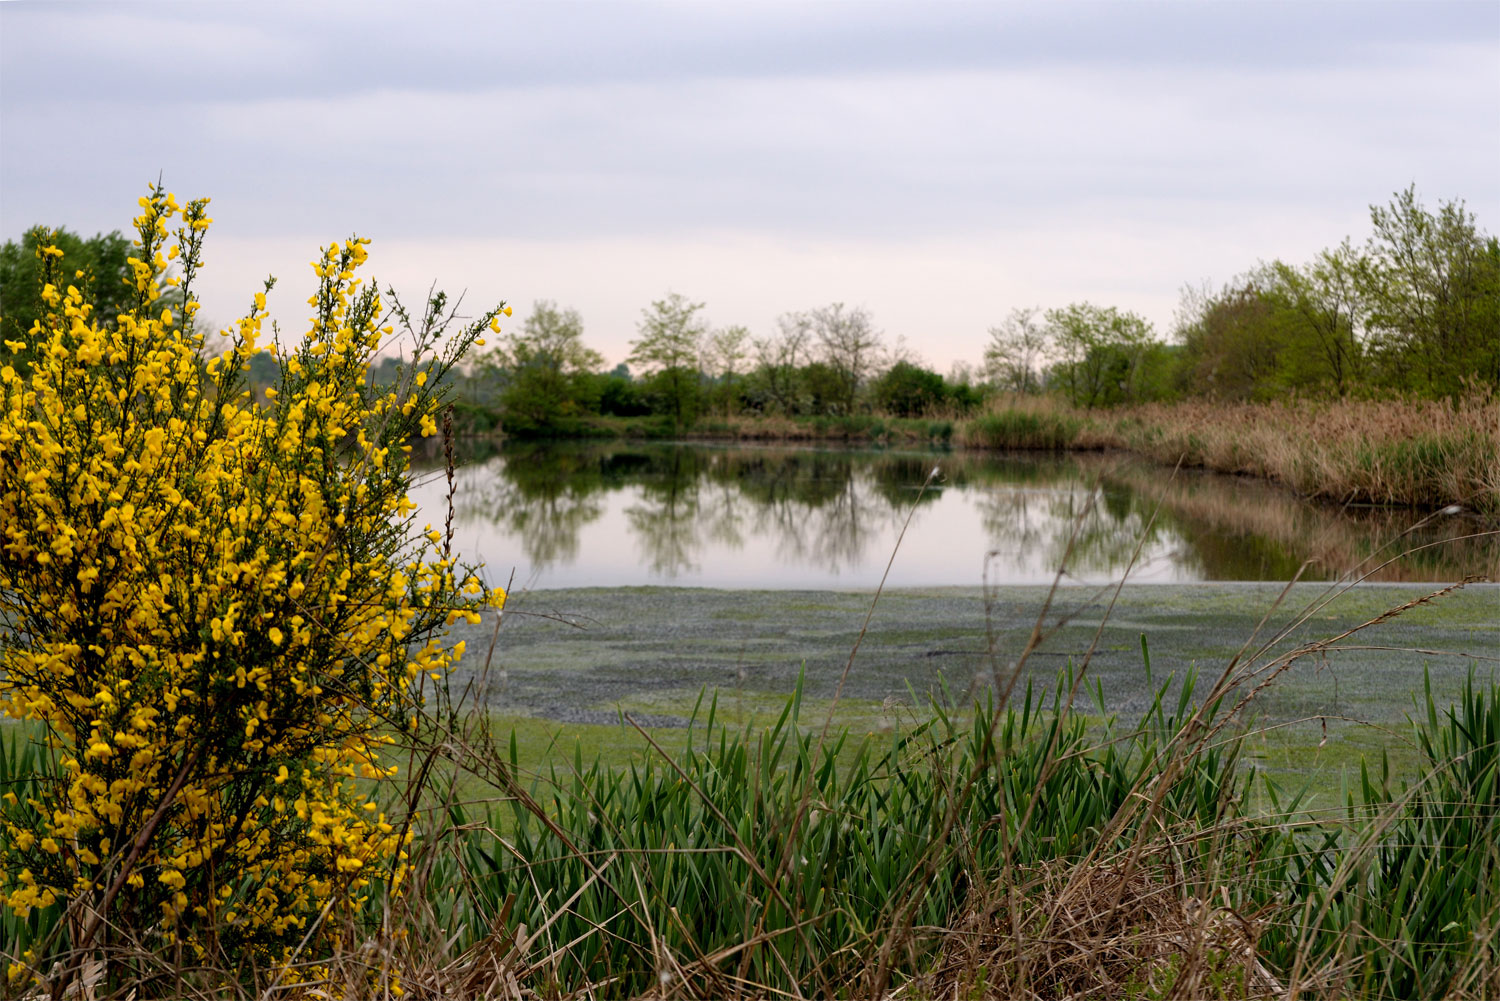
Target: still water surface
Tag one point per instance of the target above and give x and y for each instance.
(581, 514)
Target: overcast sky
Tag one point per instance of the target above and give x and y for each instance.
(936, 163)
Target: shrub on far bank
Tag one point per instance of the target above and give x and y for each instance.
(908, 390)
(619, 396)
(1021, 429)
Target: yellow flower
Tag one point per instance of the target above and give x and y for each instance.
(138, 473)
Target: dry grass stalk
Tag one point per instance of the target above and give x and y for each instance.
(1103, 932)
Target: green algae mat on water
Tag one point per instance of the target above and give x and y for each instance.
(570, 660)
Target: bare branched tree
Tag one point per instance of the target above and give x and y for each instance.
(1016, 351)
(850, 345)
(780, 355)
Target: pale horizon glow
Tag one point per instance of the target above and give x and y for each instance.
(936, 165)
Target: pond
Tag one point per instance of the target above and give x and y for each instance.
(743, 516)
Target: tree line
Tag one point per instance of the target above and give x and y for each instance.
(831, 360)
(1413, 310)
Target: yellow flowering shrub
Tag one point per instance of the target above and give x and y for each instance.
(216, 609)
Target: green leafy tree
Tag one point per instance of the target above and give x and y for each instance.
(545, 368)
(965, 392)
(1325, 351)
(850, 345)
(98, 266)
(619, 395)
(1101, 350)
(728, 349)
(908, 390)
(1258, 338)
(1432, 283)
(778, 358)
(1417, 310)
(821, 389)
(1155, 376)
(671, 338)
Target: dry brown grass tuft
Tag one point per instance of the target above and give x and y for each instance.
(1101, 931)
(490, 970)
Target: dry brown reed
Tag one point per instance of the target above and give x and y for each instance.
(771, 427)
(860, 428)
(1412, 453)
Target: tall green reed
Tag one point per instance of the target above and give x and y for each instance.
(673, 878)
(1408, 905)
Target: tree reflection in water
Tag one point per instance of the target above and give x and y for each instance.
(827, 514)
(539, 496)
(665, 518)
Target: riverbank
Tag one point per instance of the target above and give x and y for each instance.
(1421, 454)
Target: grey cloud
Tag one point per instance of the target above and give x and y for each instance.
(881, 122)
(239, 51)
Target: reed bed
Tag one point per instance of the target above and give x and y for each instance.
(1031, 852)
(1424, 454)
(774, 862)
(1411, 453)
(1034, 426)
